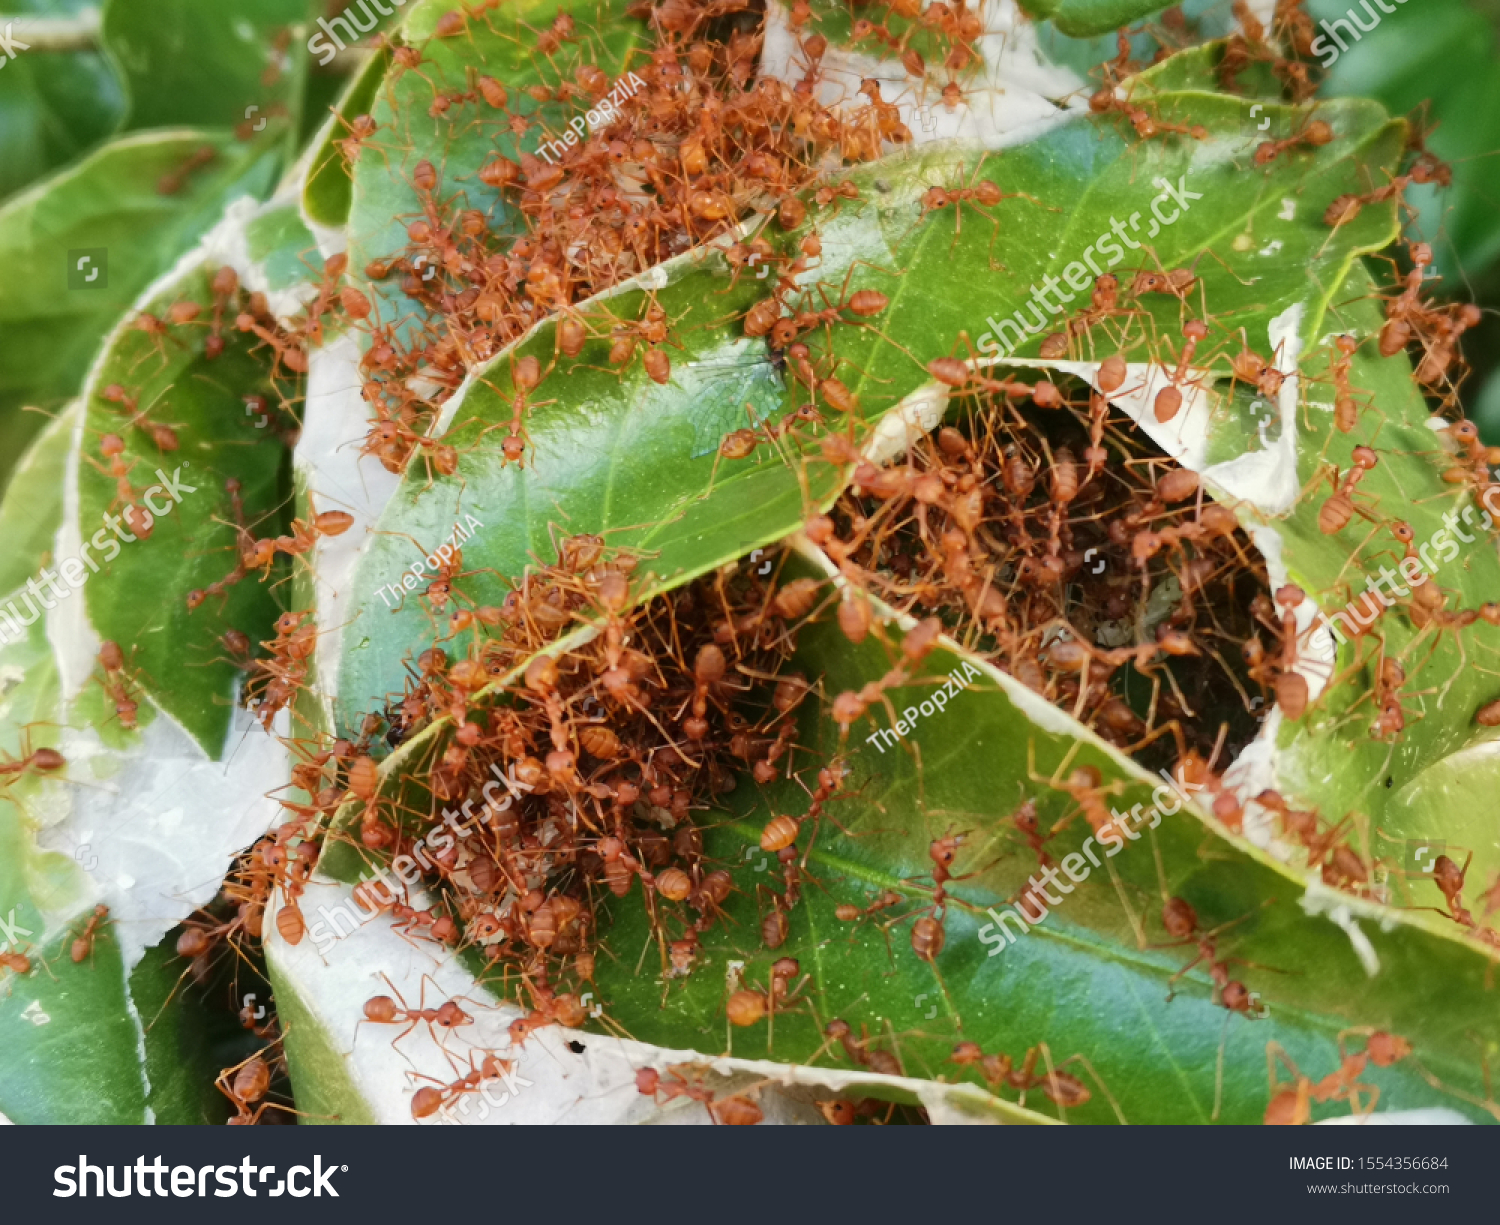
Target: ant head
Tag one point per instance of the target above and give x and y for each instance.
(1365, 457)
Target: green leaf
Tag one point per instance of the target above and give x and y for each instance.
(30, 515)
(282, 249)
(1332, 757)
(1439, 59)
(110, 201)
(615, 453)
(611, 451)
(72, 1046)
(1093, 977)
(348, 1071)
(459, 142)
(329, 183)
(1086, 18)
(181, 662)
(54, 104)
(184, 63)
(185, 1040)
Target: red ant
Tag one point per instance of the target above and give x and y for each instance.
(1181, 921)
(383, 1010)
(427, 1101)
(1340, 507)
(1311, 136)
(980, 194)
(116, 687)
(83, 947)
(138, 520)
(39, 762)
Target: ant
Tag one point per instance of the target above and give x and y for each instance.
(741, 444)
(1312, 135)
(1181, 921)
(1025, 819)
(20, 964)
(1105, 100)
(112, 446)
(1083, 785)
(174, 180)
(1340, 507)
(980, 195)
(928, 933)
(1449, 878)
(83, 947)
(650, 1083)
(1381, 1049)
(251, 1082)
(864, 303)
(1291, 1104)
(383, 1010)
(40, 762)
(116, 686)
(1345, 407)
(1063, 1090)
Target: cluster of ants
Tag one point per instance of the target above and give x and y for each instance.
(186, 325)
(1076, 571)
(1035, 528)
(608, 750)
(699, 148)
